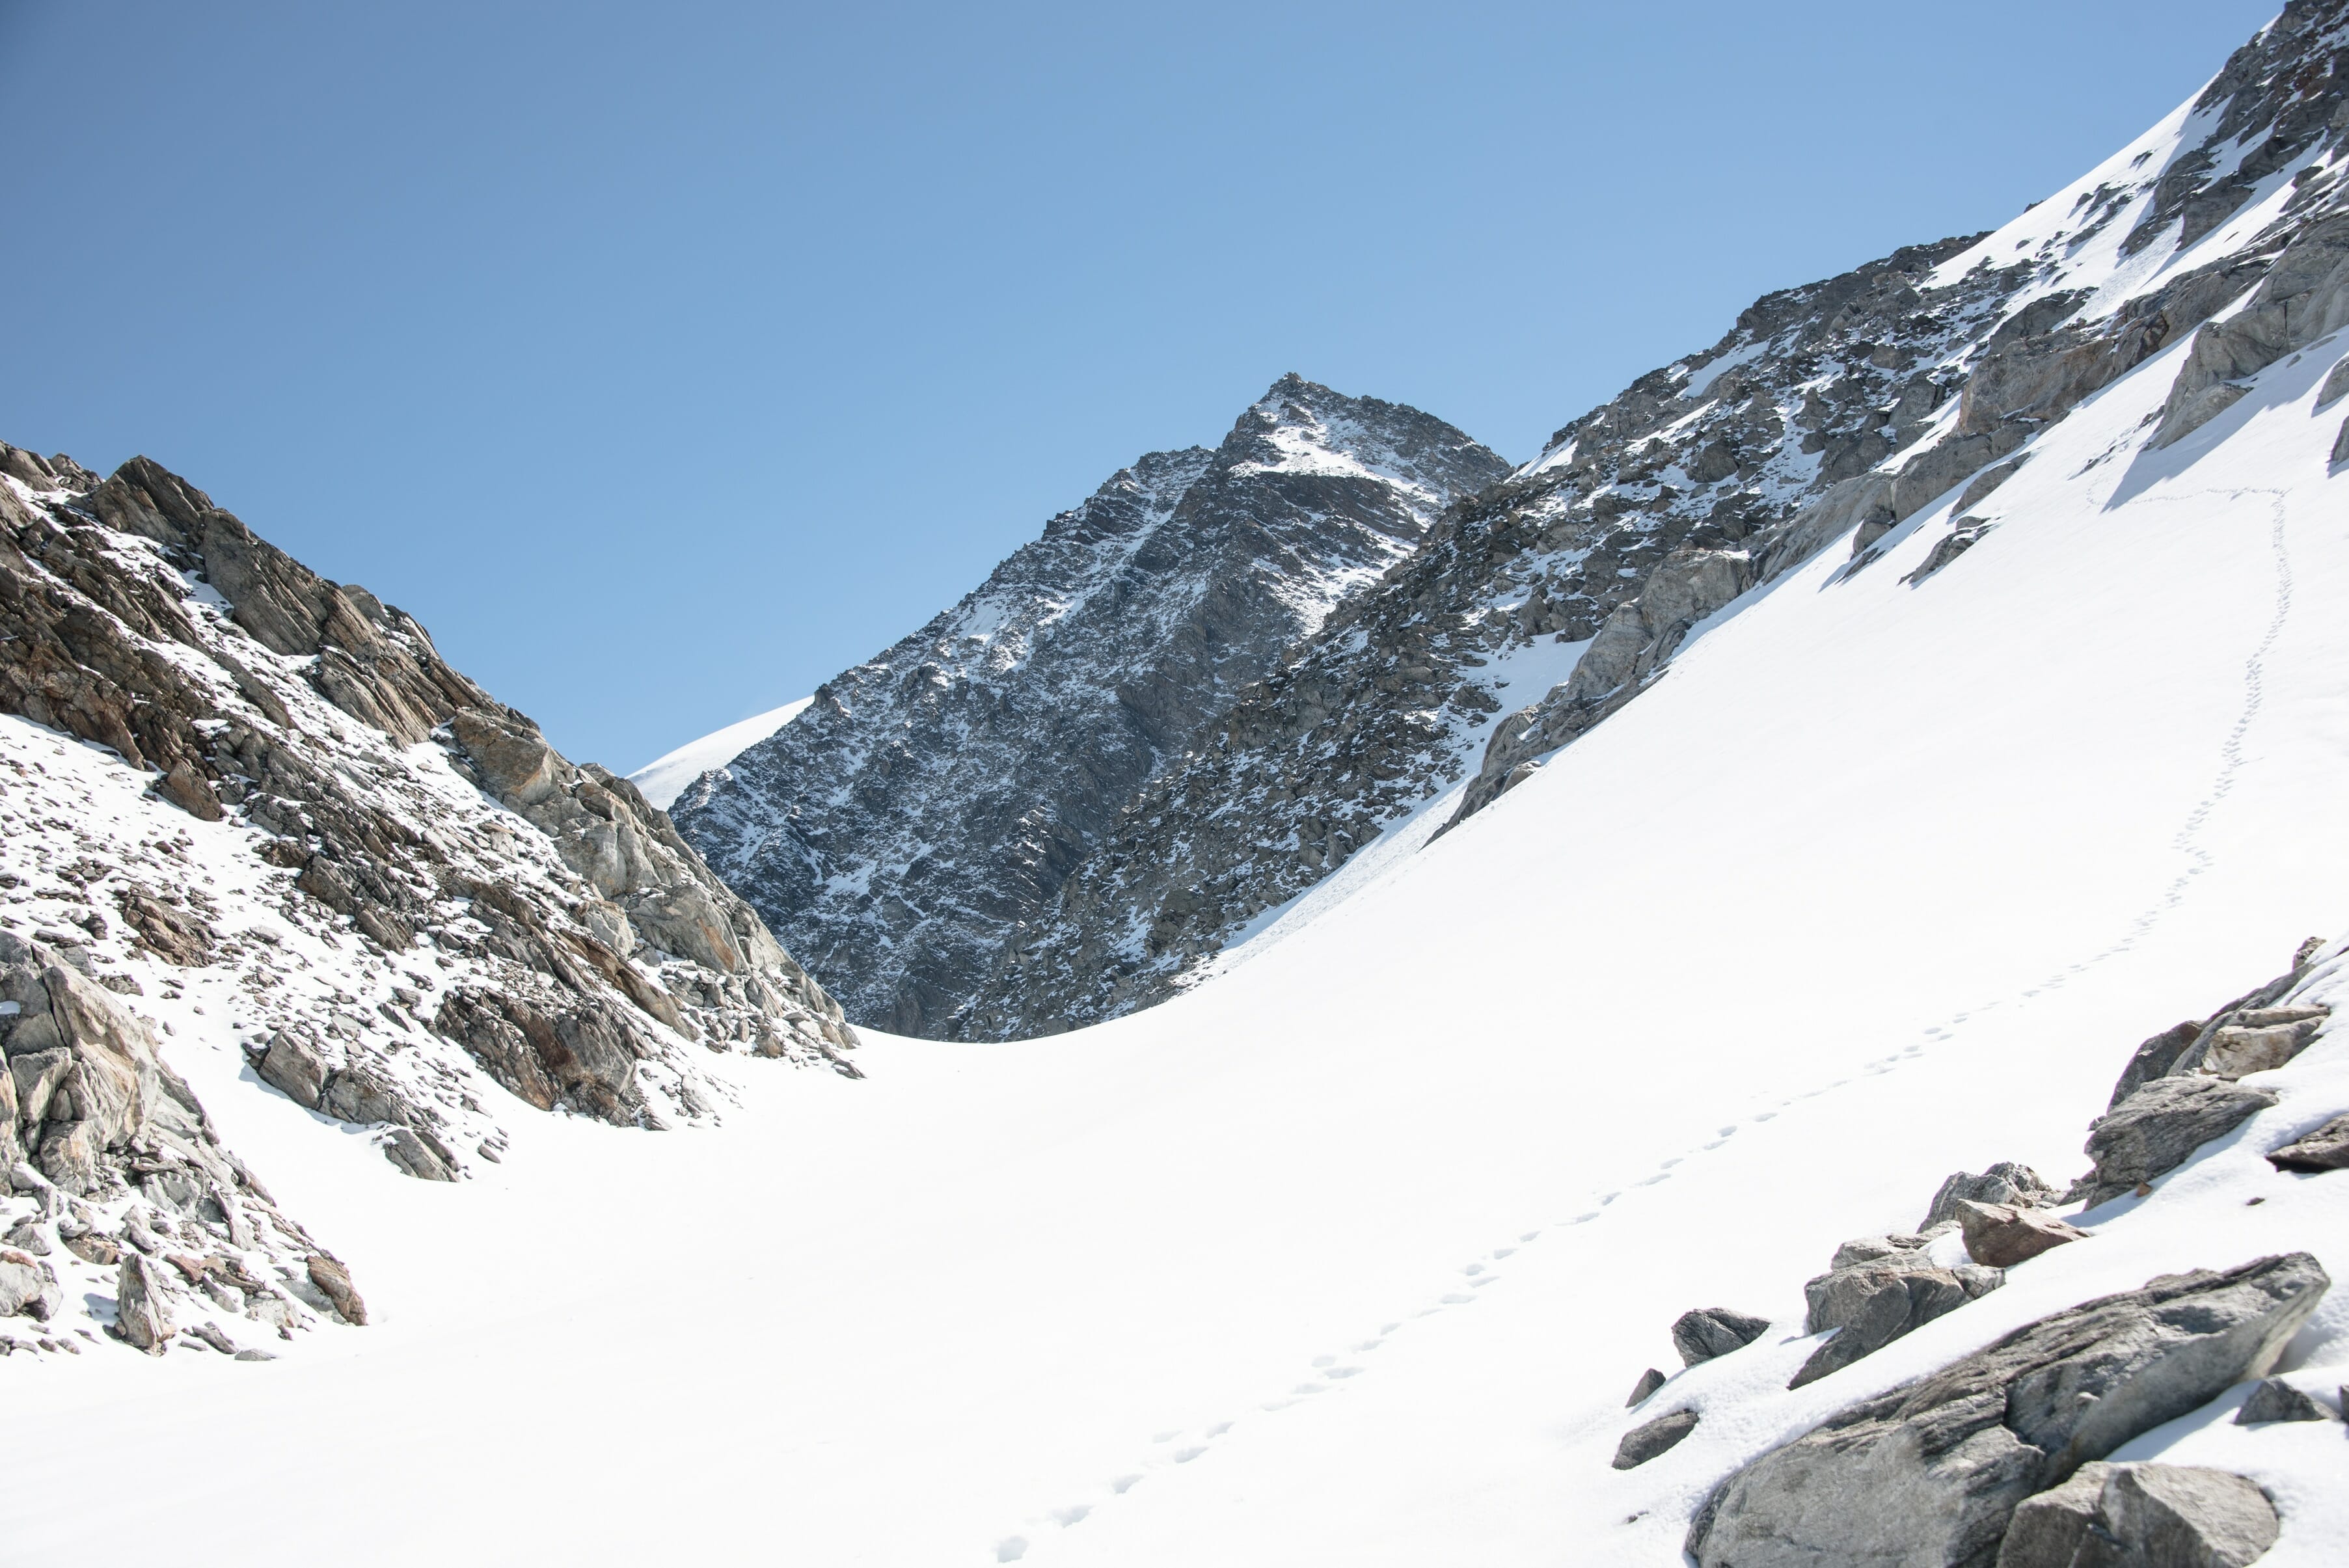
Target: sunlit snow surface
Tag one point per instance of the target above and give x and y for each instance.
(1353, 1254)
(664, 778)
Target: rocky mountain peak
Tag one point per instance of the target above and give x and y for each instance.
(932, 799)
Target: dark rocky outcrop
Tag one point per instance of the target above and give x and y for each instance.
(2005, 1183)
(1643, 1443)
(930, 802)
(1709, 1331)
(1934, 1472)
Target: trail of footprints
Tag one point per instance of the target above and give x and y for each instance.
(1331, 1373)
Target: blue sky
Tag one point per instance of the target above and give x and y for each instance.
(664, 360)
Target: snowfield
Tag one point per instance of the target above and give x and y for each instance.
(664, 778)
(1352, 1256)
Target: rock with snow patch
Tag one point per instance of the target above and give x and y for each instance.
(2326, 1149)
(2159, 1127)
(1932, 1472)
(27, 1286)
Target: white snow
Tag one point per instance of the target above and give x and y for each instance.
(1351, 1254)
(664, 778)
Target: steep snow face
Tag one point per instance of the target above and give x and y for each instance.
(254, 834)
(1850, 404)
(665, 778)
(898, 833)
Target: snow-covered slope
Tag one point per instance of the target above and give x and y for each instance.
(1858, 400)
(665, 778)
(1352, 1253)
(258, 833)
(898, 834)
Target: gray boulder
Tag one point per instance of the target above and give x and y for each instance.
(1932, 1472)
(2005, 1183)
(2153, 1515)
(1711, 1331)
(2000, 1236)
(1867, 1305)
(2159, 1127)
(2326, 1149)
(1650, 1381)
(1643, 1443)
(142, 1313)
(28, 1287)
(2276, 1400)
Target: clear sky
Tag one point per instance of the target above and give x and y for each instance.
(666, 359)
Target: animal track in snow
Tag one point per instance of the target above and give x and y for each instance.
(2187, 841)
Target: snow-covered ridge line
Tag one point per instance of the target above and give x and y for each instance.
(666, 777)
(252, 813)
(1850, 407)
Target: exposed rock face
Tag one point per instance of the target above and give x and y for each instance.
(899, 831)
(2154, 1514)
(1849, 406)
(1934, 1472)
(391, 892)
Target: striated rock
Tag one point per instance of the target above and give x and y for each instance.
(2005, 1183)
(293, 1064)
(1711, 1331)
(420, 1155)
(142, 1313)
(2158, 1129)
(2000, 1236)
(2258, 1041)
(334, 1282)
(173, 935)
(2326, 1149)
(1932, 1472)
(2118, 1515)
(1643, 1443)
(2276, 1400)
